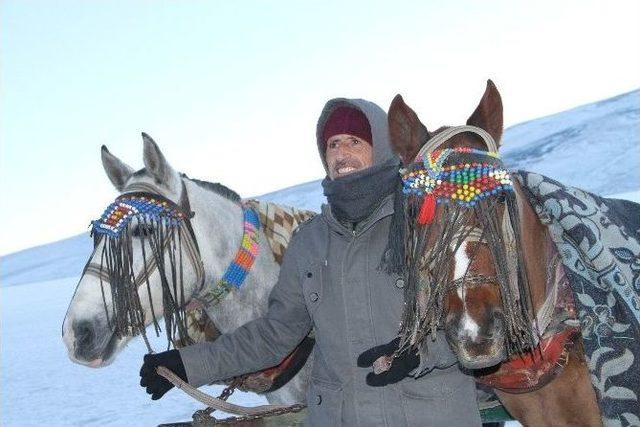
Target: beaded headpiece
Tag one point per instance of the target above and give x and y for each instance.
(165, 228)
(465, 182)
(120, 213)
(162, 228)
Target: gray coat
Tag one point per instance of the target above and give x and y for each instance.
(330, 281)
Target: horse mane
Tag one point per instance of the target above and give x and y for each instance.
(216, 187)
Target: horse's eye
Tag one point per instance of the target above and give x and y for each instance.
(501, 198)
(142, 230)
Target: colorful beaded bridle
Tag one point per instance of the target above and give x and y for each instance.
(469, 186)
(145, 207)
(464, 183)
(166, 227)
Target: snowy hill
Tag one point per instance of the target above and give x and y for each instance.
(596, 147)
(57, 260)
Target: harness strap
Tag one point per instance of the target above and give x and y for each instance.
(192, 242)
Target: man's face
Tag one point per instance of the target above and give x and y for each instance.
(347, 154)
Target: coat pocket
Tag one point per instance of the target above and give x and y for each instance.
(324, 404)
(442, 397)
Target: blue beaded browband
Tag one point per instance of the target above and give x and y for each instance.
(143, 206)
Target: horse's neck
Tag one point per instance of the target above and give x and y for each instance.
(219, 227)
(537, 249)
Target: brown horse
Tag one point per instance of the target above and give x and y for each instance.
(487, 287)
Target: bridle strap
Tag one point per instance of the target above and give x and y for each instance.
(198, 263)
(449, 133)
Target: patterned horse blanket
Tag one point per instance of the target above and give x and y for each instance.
(278, 223)
(599, 242)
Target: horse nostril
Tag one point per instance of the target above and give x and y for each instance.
(84, 333)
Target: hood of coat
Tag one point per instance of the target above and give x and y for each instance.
(377, 120)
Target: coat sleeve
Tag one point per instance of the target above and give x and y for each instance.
(260, 343)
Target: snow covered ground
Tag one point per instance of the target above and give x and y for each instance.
(596, 147)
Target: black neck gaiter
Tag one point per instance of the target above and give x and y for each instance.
(354, 197)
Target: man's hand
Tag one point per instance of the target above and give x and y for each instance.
(156, 385)
(400, 366)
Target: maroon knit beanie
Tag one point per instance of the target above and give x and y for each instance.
(349, 121)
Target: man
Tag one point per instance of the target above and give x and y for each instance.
(334, 278)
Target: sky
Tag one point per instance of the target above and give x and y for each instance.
(231, 91)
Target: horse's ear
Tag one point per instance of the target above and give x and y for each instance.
(117, 171)
(488, 114)
(155, 162)
(406, 132)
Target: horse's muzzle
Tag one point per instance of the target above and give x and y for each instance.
(93, 343)
(482, 354)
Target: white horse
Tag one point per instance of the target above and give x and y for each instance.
(217, 225)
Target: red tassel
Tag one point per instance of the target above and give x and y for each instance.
(427, 210)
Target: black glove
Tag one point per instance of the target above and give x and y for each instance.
(156, 385)
(401, 366)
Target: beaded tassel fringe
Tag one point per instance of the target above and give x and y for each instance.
(155, 227)
(472, 186)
